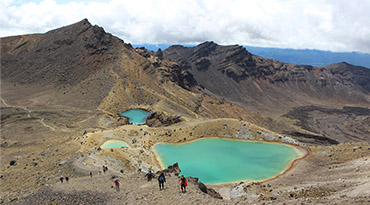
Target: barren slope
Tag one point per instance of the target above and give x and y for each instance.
(274, 88)
(81, 65)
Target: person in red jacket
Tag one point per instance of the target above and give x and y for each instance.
(183, 184)
(116, 183)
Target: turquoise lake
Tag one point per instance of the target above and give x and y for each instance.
(136, 116)
(220, 160)
(113, 144)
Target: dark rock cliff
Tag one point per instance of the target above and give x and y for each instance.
(235, 74)
(168, 70)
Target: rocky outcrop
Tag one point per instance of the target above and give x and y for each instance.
(231, 60)
(172, 169)
(158, 119)
(181, 77)
(175, 169)
(209, 191)
(204, 188)
(168, 70)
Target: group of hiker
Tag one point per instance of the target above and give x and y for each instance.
(105, 168)
(150, 175)
(63, 178)
(162, 180)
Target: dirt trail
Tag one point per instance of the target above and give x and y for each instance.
(29, 114)
(6, 104)
(134, 189)
(343, 184)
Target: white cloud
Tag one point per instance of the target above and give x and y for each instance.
(335, 25)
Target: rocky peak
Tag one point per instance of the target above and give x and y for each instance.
(56, 57)
(207, 44)
(76, 28)
(159, 54)
(234, 61)
(344, 72)
(204, 49)
(94, 38)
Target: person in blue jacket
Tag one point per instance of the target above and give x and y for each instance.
(161, 181)
(150, 175)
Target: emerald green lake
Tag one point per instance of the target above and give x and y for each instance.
(113, 144)
(136, 116)
(219, 160)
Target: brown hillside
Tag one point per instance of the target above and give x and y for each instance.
(234, 73)
(83, 66)
(274, 88)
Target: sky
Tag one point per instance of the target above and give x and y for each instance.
(331, 25)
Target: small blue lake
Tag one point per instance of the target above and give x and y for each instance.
(136, 116)
(219, 160)
(110, 144)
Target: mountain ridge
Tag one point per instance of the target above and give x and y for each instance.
(293, 56)
(238, 64)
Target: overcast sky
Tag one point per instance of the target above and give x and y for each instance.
(335, 25)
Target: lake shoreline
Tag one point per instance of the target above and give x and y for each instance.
(301, 151)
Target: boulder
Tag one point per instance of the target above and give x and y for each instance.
(13, 163)
(209, 191)
(214, 193)
(171, 169)
(62, 162)
(202, 187)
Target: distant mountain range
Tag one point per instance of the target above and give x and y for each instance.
(294, 56)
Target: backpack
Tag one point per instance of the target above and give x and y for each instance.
(161, 178)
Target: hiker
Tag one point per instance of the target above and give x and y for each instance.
(67, 179)
(61, 179)
(90, 174)
(161, 181)
(104, 169)
(116, 183)
(183, 184)
(150, 175)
